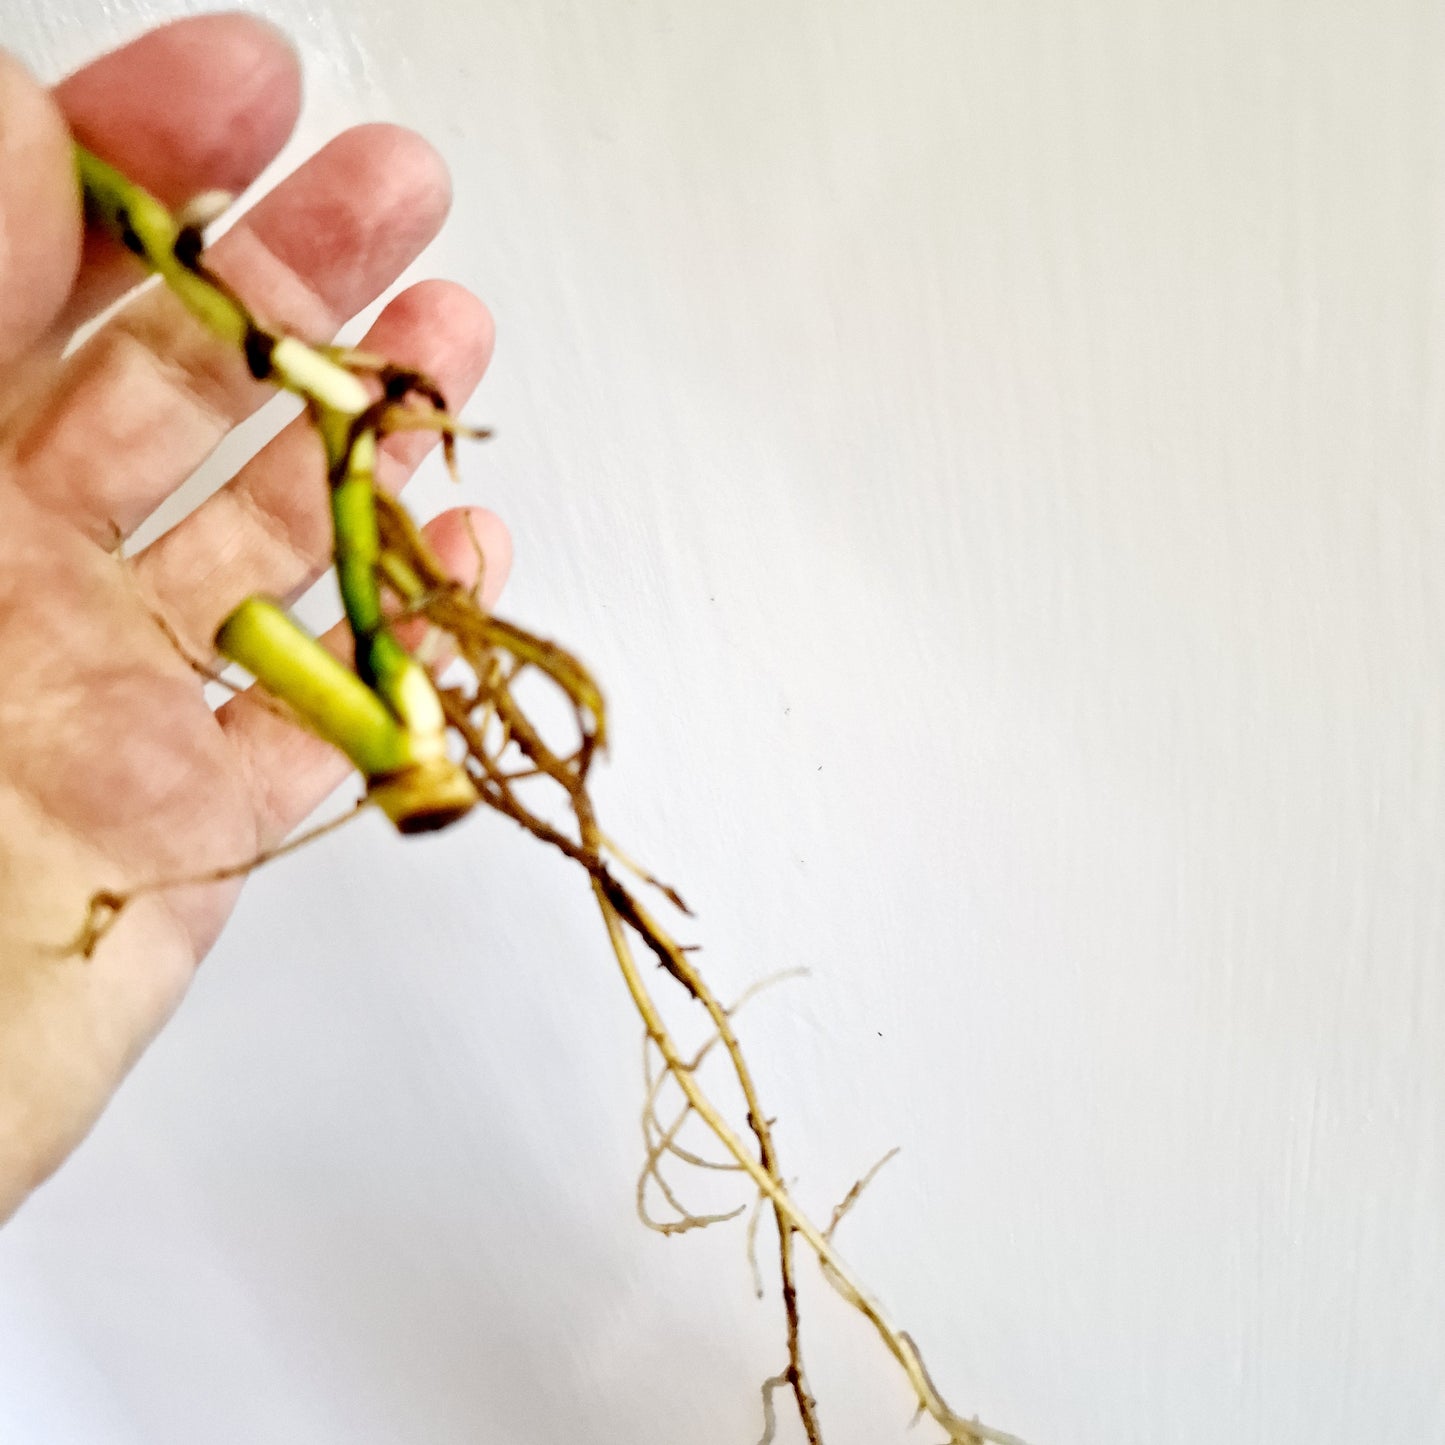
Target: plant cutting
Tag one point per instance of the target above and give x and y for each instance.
(437, 731)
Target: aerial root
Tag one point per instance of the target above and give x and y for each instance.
(644, 876)
(107, 905)
(752, 1243)
(856, 1192)
(770, 1415)
(660, 1140)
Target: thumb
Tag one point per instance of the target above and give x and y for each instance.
(40, 214)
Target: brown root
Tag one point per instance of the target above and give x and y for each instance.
(504, 748)
(106, 906)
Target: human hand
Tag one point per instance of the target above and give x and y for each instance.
(114, 770)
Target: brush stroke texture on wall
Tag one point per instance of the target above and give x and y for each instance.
(993, 454)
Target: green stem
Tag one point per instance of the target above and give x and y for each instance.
(324, 693)
(409, 775)
(147, 228)
(381, 661)
(386, 717)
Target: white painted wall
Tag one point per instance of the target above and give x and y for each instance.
(994, 453)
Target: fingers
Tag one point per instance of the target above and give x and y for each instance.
(200, 104)
(142, 404)
(269, 529)
(39, 210)
(290, 772)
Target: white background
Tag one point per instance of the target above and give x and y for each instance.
(993, 454)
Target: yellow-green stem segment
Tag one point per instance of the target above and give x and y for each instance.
(409, 775)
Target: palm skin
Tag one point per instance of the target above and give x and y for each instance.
(114, 770)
